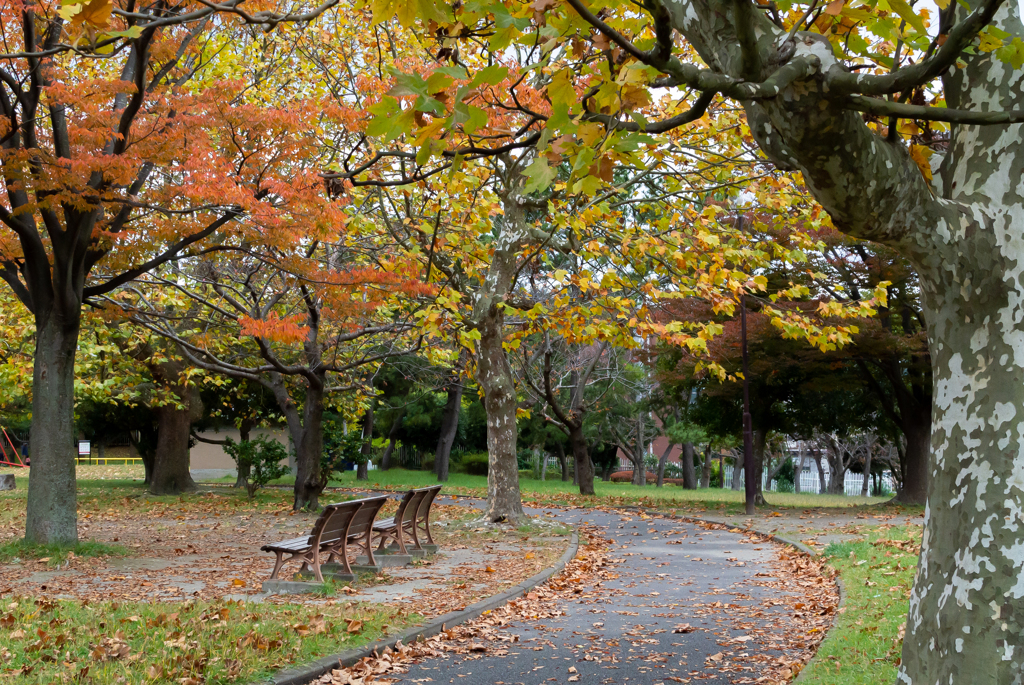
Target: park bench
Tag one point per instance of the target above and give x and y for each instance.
(336, 525)
(411, 519)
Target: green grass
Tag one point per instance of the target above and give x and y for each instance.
(13, 551)
(44, 641)
(559, 492)
(863, 646)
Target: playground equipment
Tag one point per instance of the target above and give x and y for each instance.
(5, 461)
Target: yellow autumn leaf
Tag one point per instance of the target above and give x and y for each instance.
(920, 155)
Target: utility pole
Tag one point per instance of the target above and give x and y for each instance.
(750, 487)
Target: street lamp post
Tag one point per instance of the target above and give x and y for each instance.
(750, 486)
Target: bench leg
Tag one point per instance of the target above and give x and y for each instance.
(369, 547)
(277, 565)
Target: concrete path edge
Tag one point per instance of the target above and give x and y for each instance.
(304, 674)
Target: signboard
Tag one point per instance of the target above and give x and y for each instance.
(84, 448)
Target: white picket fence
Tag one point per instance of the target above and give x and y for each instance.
(810, 483)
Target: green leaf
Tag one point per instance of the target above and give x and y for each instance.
(540, 176)
(1012, 53)
(908, 15)
(560, 89)
(408, 84)
(492, 75)
(469, 116)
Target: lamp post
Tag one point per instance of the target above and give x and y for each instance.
(750, 486)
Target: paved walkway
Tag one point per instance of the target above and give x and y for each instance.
(671, 573)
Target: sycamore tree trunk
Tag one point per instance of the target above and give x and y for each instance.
(495, 378)
(449, 429)
(52, 512)
(493, 371)
(737, 470)
(962, 231)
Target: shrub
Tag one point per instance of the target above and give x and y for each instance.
(428, 464)
(263, 457)
(475, 464)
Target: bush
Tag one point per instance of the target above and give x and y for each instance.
(428, 464)
(786, 476)
(475, 464)
(263, 456)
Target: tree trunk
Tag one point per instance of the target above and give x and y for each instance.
(363, 468)
(583, 467)
(865, 487)
(449, 429)
(689, 470)
(493, 372)
(52, 513)
(639, 470)
(308, 436)
(799, 470)
(737, 470)
(396, 425)
(171, 463)
(760, 440)
(662, 460)
(705, 471)
(914, 481)
(562, 461)
(543, 465)
(244, 434)
(822, 485)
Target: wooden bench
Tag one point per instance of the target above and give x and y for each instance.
(328, 541)
(412, 518)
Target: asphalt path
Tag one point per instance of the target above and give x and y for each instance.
(622, 633)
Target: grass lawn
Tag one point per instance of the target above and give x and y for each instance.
(618, 494)
(863, 647)
(46, 641)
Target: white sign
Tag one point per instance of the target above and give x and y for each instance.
(84, 448)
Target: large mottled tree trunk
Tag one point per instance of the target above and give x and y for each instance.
(449, 429)
(493, 371)
(52, 513)
(495, 378)
(962, 232)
